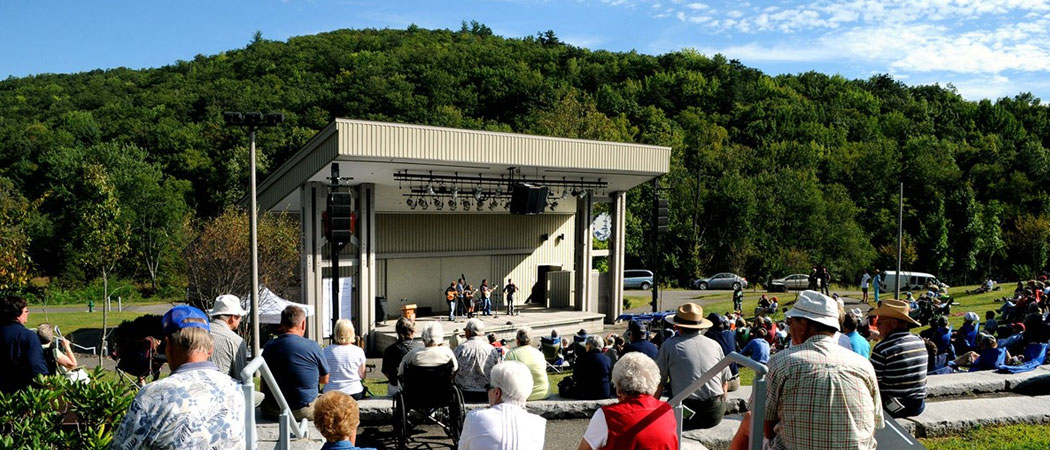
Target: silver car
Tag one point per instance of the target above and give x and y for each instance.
(723, 280)
(794, 282)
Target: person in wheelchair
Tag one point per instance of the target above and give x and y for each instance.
(505, 423)
(427, 383)
(433, 353)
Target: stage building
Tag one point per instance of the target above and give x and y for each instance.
(432, 205)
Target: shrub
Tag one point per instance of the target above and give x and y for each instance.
(62, 415)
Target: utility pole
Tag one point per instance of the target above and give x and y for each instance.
(900, 236)
(659, 227)
(253, 120)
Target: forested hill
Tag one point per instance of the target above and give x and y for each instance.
(770, 175)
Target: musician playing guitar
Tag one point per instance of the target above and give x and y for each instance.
(450, 298)
(486, 301)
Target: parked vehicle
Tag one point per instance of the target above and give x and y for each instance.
(909, 281)
(724, 280)
(793, 282)
(637, 279)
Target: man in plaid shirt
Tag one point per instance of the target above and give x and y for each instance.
(821, 395)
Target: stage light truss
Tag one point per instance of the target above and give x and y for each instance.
(481, 190)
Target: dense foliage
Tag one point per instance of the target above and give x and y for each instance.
(769, 175)
(64, 415)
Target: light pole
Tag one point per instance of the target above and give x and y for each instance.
(253, 120)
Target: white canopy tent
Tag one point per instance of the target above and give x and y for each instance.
(270, 307)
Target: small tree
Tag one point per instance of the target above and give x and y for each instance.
(218, 260)
(100, 238)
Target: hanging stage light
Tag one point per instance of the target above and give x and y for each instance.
(481, 205)
(506, 205)
(564, 193)
(452, 205)
(466, 205)
(477, 194)
(423, 203)
(455, 193)
(553, 205)
(430, 190)
(493, 205)
(411, 203)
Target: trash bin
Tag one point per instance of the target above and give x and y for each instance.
(380, 310)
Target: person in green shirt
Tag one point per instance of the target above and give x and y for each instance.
(533, 358)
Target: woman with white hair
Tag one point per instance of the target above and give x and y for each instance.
(346, 362)
(505, 424)
(433, 353)
(532, 357)
(638, 420)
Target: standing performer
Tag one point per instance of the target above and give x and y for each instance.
(486, 301)
(462, 311)
(450, 298)
(468, 299)
(508, 292)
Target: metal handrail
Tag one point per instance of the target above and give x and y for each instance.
(284, 421)
(758, 393)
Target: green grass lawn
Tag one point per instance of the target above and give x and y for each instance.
(70, 321)
(634, 301)
(1010, 437)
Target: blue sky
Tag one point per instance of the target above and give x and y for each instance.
(985, 48)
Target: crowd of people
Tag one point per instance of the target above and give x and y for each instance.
(828, 387)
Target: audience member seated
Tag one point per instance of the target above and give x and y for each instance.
(820, 395)
(476, 358)
(742, 333)
(396, 352)
(554, 350)
(22, 358)
(989, 355)
(758, 347)
(592, 374)
(576, 348)
(196, 406)
(58, 355)
(297, 364)
(346, 362)
(990, 324)
(526, 354)
(231, 353)
(639, 343)
(613, 347)
(505, 424)
(966, 337)
(941, 336)
(433, 353)
(684, 359)
(720, 333)
(638, 420)
(337, 417)
(857, 343)
(900, 360)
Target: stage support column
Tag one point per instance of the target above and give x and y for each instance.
(583, 262)
(312, 201)
(617, 241)
(365, 282)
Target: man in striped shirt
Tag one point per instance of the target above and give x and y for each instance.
(900, 361)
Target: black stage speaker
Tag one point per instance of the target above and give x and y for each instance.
(528, 199)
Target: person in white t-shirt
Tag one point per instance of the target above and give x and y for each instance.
(505, 424)
(346, 362)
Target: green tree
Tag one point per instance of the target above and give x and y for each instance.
(14, 241)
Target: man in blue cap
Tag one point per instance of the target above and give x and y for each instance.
(196, 406)
(639, 341)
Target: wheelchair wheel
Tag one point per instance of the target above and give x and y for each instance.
(456, 415)
(400, 421)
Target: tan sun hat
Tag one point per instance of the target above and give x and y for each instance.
(895, 309)
(689, 315)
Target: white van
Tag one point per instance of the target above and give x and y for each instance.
(909, 281)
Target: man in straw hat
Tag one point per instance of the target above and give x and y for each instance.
(231, 354)
(685, 358)
(900, 360)
(820, 395)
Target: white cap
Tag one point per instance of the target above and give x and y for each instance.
(817, 307)
(970, 317)
(227, 305)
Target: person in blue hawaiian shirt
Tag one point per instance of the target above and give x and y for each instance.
(196, 406)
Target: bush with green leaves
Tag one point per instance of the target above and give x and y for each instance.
(60, 414)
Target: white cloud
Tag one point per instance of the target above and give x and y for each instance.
(697, 6)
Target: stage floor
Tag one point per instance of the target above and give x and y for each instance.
(541, 320)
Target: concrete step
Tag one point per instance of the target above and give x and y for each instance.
(956, 416)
